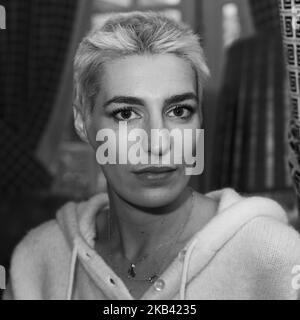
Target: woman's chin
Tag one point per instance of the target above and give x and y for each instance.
(155, 198)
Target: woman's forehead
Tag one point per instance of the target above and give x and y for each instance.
(148, 76)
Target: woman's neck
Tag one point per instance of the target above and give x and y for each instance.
(136, 231)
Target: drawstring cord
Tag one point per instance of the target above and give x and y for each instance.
(72, 271)
(185, 269)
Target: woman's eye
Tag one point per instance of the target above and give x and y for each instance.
(125, 114)
(181, 112)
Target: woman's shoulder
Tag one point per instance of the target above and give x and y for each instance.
(39, 257)
(46, 233)
(270, 241)
(40, 244)
(255, 225)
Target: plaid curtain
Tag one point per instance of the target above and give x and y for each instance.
(32, 54)
(251, 145)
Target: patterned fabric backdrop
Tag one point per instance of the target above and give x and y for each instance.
(251, 144)
(32, 53)
(264, 14)
(290, 26)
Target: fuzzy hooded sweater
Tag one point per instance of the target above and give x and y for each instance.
(246, 251)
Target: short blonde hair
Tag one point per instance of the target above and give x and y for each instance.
(128, 34)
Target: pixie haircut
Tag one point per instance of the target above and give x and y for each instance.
(135, 33)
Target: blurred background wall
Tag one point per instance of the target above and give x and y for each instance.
(246, 104)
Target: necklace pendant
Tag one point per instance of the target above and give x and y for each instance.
(131, 270)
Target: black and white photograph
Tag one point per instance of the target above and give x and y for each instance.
(149, 150)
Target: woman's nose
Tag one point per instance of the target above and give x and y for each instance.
(158, 137)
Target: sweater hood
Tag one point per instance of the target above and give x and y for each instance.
(78, 223)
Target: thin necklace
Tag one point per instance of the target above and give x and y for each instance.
(131, 272)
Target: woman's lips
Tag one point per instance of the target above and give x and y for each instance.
(155, 173)
(155, 169)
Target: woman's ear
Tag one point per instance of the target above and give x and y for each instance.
(79, 124)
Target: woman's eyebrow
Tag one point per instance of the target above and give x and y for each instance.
(138, 101)
(181, 97)
(124, 100)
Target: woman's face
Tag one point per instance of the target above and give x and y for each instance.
(147, 92)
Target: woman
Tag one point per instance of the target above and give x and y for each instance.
(151, 236)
